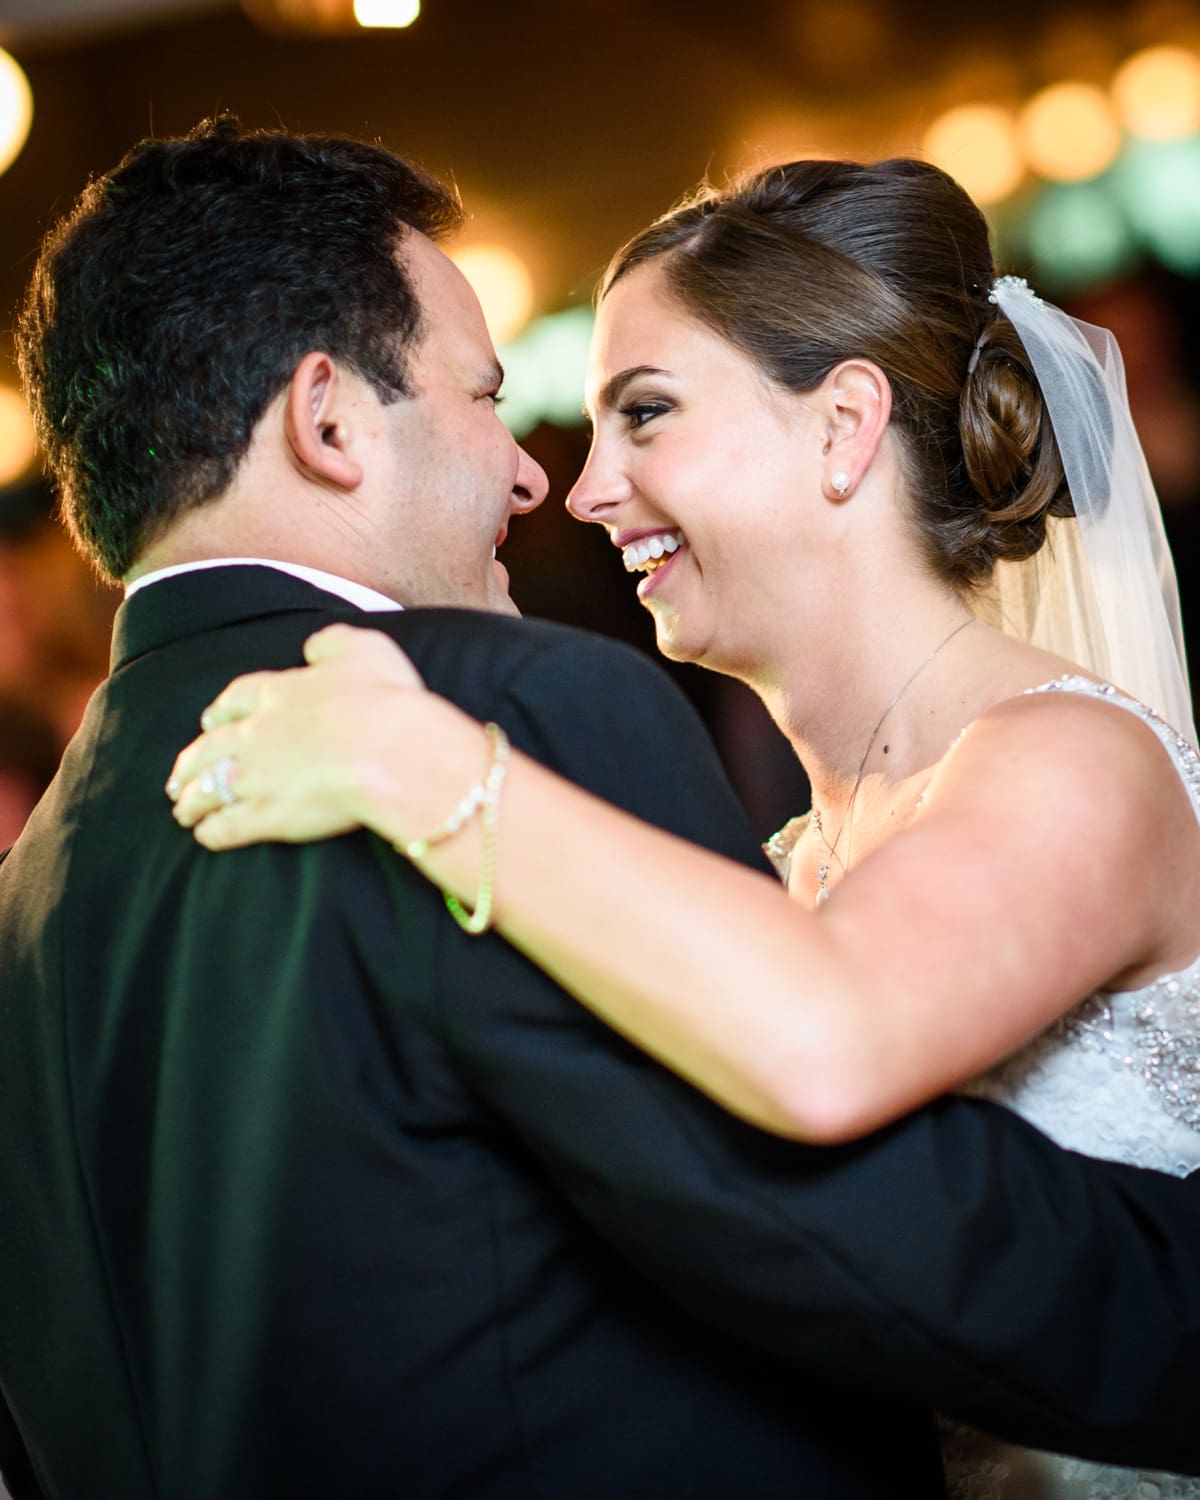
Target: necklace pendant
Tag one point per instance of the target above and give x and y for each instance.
(832, 848)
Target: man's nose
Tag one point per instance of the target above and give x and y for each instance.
(530, 486)
(597, 492)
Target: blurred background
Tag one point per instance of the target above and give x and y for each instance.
(567, 126)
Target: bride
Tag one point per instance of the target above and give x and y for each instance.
(904, 502)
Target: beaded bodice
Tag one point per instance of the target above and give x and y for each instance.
(1119, 1075)
(1116, 1077)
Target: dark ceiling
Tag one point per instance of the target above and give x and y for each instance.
(565, 125)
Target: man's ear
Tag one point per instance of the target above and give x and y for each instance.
(856, 406)
(319, 422)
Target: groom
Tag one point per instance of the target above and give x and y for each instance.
(304, 1191)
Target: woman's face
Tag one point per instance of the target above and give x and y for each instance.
(705, 475)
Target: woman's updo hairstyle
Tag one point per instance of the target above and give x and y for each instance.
(805, 265)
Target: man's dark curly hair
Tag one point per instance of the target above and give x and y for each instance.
(179, 295)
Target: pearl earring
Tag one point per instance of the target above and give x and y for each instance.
(840, 482)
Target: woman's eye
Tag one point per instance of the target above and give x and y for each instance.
(642, 412)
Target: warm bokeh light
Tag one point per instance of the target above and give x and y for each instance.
(18, 445)
(503, 285)
(1157, 93)
(1069, 132)
(16, 109)
(386, 12)
(977, 144)
(775, 135)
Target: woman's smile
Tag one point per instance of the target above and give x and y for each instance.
(650, 550)
(658, 569)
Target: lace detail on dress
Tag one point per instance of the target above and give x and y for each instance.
(1119, 1077)
(978, 1468)
(1161, 1041)
(779, 846)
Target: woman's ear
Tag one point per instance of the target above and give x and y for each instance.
(855, 402)
(319, 423)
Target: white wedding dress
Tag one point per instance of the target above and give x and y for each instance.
(1117, 1077)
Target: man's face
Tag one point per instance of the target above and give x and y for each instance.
(458, 476)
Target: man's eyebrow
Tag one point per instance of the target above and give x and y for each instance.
(615, 386)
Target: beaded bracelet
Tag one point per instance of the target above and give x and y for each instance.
(483, 796)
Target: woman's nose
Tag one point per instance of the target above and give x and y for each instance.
(597, 493)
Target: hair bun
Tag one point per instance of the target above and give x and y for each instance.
(1009, 449)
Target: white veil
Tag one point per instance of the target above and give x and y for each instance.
(1102, 589)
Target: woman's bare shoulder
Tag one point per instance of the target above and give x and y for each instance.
(1070, 752)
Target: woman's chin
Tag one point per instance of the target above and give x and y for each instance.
(672, 637)
(702, 650)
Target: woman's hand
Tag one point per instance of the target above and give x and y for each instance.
(319, 750)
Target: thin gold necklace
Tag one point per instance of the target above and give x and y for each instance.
(823, 867)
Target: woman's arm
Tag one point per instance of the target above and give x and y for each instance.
(1050, 858)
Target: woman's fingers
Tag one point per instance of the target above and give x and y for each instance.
(227, 828)
(240, 699)
(336, 641)
(346, 648)
(209, 792)
(220, 781)
(278, 753)
(252, 823)
(199, 760)
(356, 649)
(225, 723)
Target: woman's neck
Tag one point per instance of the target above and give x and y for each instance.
(878, 699)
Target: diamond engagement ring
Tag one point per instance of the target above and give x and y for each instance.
(215, 783)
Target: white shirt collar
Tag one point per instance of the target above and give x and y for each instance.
(357, 594)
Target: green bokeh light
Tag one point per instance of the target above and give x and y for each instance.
(1077, 235)
(1158, 187)
(544, 371)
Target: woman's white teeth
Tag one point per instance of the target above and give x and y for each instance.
(650, 552)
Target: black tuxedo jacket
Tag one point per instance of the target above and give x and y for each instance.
(305, 1193)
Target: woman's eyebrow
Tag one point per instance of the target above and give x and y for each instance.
(615, 385)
